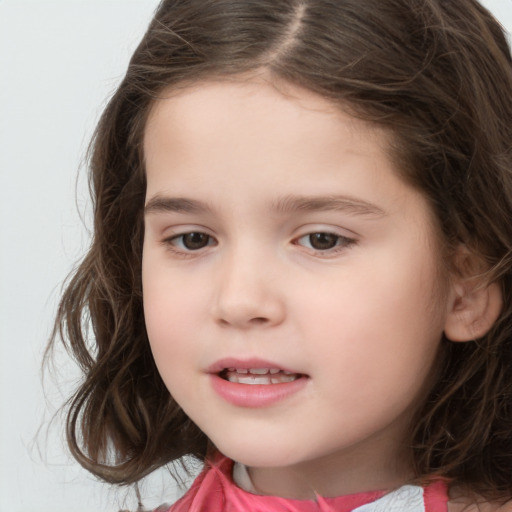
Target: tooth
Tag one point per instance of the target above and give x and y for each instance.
(231, 369)
(261, 380)
(258, 371)
(284, 378)
(253, 380)
(241, 370)
(273, 371)
(288, 373)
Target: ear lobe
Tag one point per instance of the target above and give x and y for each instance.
(473, 310)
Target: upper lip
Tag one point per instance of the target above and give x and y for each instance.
(247, 364)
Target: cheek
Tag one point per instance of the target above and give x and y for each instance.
(167, 319)
(170, 342)
(384, 319)
(167, 297)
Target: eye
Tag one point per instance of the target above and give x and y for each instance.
(323, 241)
(192, 241)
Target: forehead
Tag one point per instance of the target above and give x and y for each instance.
(253, 124)
(235, 103)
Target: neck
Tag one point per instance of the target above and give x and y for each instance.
(333, 475)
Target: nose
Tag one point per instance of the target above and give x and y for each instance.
(249, 294)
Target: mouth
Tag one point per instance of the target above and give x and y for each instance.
(261, 376)
(255, 383)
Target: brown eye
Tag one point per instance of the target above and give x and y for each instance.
(323, 241)
(192, 241)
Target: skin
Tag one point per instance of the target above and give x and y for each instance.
(361, 320)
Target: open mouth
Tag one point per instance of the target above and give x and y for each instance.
(263, 376)
(254, 383)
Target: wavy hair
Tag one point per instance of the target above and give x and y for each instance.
(438, 75)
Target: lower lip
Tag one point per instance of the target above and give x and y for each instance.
(255, 395)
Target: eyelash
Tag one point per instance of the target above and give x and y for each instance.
(177, 243)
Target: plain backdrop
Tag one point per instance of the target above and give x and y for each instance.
(60, 60)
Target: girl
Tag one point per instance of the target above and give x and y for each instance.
(301, 269)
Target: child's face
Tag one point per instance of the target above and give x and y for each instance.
(279, 236)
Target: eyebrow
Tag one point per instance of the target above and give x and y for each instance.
(164, 204)
(346, 204)
(286, 204)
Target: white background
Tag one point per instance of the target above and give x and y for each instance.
(59, 62)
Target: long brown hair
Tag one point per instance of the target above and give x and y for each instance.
(438, 75)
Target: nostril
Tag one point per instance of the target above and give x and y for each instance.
(259, 320)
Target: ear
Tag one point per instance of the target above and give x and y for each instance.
(474, 306)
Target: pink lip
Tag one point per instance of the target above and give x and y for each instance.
(252, 395)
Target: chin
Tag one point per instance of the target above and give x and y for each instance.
(252, 454)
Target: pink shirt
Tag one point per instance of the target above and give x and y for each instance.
(215, 491)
